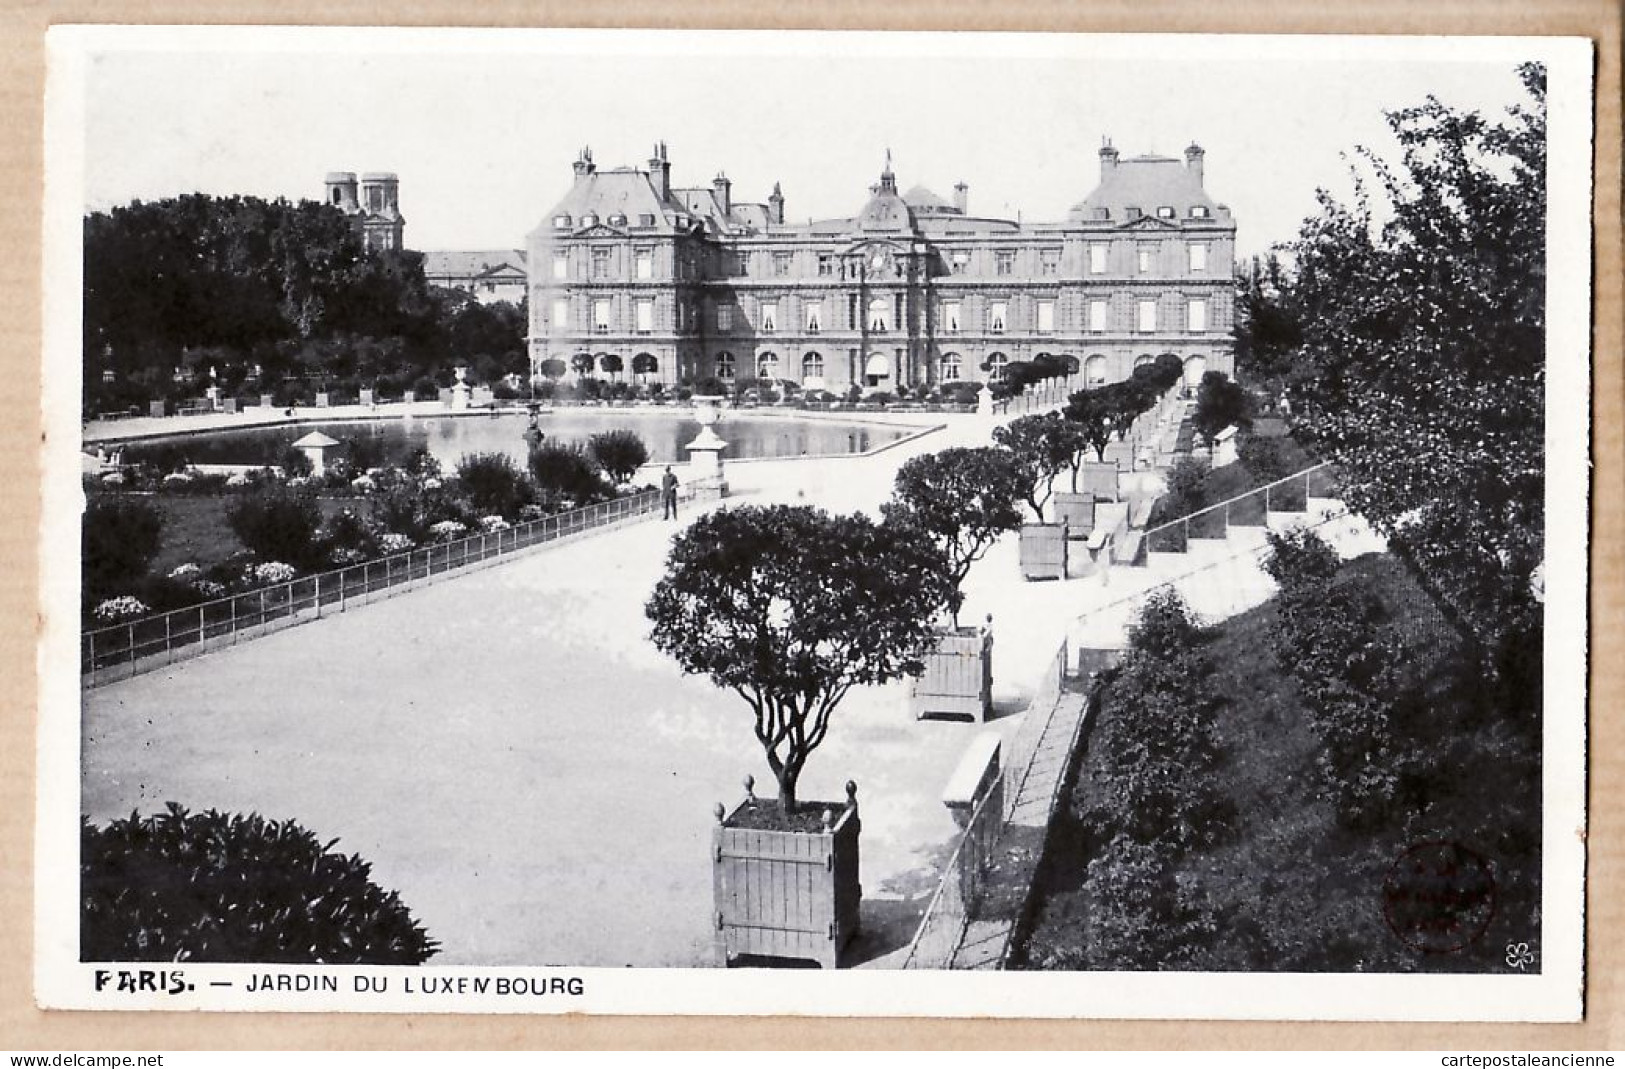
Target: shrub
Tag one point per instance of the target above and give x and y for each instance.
(348, 538)
(295, 463)
(620, 453)
(564, 469)
(120, 538)
(214, 887)
(278, 524)
(421, 464)
(425, 388)
(493, 483)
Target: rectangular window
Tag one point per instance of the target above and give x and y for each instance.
(1046, 317)
(561, 265)
(959, 262)
(770, 316)
(561, 314)
(1196, 315)
(646, 263)
(1049, 262)
(949, 321)
(1143, 256)
(725, 317)
(1006, 262)
(997, 313)
(1097, 316)
(646, 317)
(1148, 317)
(826, 264)
(814, 316)
(744, 263)
(1198, 258)
(600, 317)
(1097, 259)
(781, 264)
(601, 262)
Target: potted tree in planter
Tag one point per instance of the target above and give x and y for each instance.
(790, 608)
(1042, 446)
(963, 499)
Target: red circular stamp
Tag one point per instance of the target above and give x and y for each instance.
(1439, 897)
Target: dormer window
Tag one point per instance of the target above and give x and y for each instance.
(1165, 212)
(617, 220)
(646, 220)
(1132, 213)
(561, 222)
(589, 220)
(1103, 213)
(1199, 211)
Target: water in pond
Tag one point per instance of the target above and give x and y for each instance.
(449, 438)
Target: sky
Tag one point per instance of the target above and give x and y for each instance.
(482, 127)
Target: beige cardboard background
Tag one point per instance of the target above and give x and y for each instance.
(23, 1027)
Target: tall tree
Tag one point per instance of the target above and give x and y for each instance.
(964, 499)
(1042, 446)
(790, 608)
(1422, 309)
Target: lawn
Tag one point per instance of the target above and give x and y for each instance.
(196, 529)
(1294, 890)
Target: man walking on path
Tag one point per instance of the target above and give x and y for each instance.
(668, 494)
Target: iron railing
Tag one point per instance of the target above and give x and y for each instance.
(1290, 493)
(123, 650)
(964, 878)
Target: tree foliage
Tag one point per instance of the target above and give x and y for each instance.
(179, 886)
(120, 538)
(620, 453)
(964, 499)
(1421, 307)
(1042, 446)
(566, 469)
(1220, 403)
(278, 524)
(790, 608)
(494, 484)
(273, 297)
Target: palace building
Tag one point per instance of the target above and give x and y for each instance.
(672, 284)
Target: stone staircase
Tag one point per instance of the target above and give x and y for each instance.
(1217, 577)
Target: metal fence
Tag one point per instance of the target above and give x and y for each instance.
(942, 929)
(964, 878)
(1251, 509)
(124, 650)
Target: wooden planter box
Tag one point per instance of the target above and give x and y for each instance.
(787, 894)
(1043, 551)
(1077, 511)
(958, 677)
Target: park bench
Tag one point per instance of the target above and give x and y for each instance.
(977, 771)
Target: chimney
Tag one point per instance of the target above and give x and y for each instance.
(1108, 159)
(724, 193)
(961, 197)
(1193, 161)
(584, 165)
(660, 172)
(776, 203)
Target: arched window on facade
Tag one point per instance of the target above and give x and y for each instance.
(644, 365)
(953, 367)
(1195, 367)
(812, 367)
(1143, 359)
(1094, 371)
(725, 366)
(767, 366)
(996, 364)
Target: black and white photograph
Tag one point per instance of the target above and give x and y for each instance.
(595, 521)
